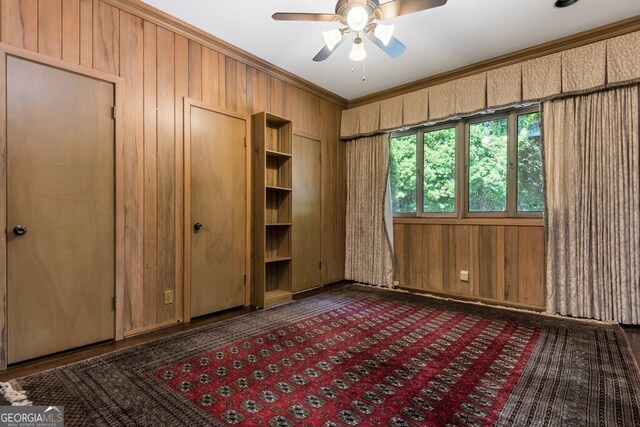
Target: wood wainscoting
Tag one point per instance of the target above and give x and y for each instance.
(505, 258)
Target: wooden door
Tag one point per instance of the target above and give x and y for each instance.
(60, 187)
(218, 205)
(306, 225)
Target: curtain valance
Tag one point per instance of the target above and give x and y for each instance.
(607, 63)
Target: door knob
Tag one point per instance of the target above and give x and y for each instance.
(19, 230)
(197, 227)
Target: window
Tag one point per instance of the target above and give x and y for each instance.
(439, 177)
(529, 163)
(489, 166)
(403, 173)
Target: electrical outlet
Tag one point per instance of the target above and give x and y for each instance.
(168, 297)
(464, 275)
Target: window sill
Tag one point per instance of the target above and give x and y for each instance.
(520, 222)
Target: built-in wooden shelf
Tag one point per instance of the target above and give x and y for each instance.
(277, 259)
(276, 297)
(277, 154)
(273, 187)
(271, 211)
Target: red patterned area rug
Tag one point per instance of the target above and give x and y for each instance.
(359, 356)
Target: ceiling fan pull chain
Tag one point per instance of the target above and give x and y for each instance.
(363, 78)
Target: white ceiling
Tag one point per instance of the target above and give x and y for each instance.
(462, 32)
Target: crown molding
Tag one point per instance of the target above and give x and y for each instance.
(597, 34)
(162, 19)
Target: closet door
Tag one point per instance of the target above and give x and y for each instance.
(60, 210)
(306, 209)
(218, 211)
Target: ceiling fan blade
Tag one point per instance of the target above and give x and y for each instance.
(325, 52)
(403, 7)
(394, 49)
(282, 16)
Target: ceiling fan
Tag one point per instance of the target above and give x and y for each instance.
(359, 17)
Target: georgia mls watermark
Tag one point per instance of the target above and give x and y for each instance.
(31, 416)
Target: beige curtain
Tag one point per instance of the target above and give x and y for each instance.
(593, 203)
(368, 248)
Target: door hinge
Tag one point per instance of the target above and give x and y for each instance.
(113, 303)
(113, 112)
(244, 281)
(320, 265)
(245, 141)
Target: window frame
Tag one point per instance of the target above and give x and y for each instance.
(463, 143)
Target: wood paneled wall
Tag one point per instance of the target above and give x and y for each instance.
(505, 262)
(160, 65)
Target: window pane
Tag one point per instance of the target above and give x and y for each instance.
(440, 171)
(529, 163)
(488, 166)
(403, 173)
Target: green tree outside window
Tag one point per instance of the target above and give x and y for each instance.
(530, 185)
(488, 166)
(440, 171)
(403, 174)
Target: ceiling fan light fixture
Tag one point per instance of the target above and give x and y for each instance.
(357, 50)
(332, 38)
(384, 33)
(357, 18)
